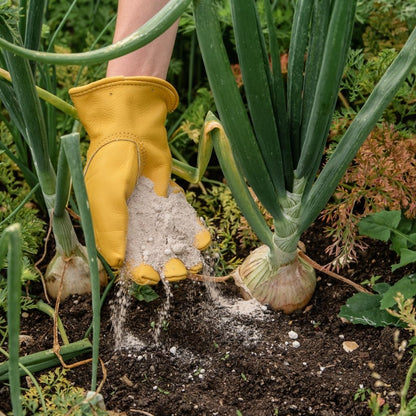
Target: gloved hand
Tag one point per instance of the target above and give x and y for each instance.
(125, 120)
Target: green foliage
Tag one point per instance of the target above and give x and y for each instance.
(29, 274)
(13, 190)
(393, 226)
(143, 292)
(86, 21)
(388, 24)
(184, 139)
(363, 308)
(378, 309)
(222, 217)
(59, 395)
(360, 77)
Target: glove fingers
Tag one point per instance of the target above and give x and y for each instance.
(175, 270)
(196, 268)
(110, 179)
(144, 274)
(202, 240)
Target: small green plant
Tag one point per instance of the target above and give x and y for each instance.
(360, 77)
(392, 226)
(143, 292)
(165, 392)
(375, 309)
(372, 309)
(361, 394)
(165, 325)
(371, 281)
(57, 396)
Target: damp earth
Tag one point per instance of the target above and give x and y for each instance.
(199, 349)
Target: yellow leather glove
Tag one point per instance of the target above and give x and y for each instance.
(125, 120)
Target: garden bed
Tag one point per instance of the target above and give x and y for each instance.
(219, 355)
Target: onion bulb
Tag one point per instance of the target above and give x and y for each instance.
(288, 287)
(69, 275)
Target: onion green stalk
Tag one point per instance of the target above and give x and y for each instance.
(42, 360)
(278, 138)
(154, 27)
(11, 238)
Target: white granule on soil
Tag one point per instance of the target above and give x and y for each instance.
(160, 228)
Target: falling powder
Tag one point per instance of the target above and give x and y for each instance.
(161, 228)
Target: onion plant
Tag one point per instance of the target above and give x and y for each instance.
(55, 167)
(278, 135)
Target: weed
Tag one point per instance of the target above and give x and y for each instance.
(143, 292)
(160, 390)
(362, 394)
(165, 325)
(59, 397)
(371, 281)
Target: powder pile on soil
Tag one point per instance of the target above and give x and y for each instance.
(160, 228)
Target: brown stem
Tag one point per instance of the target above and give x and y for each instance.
(322, 269)
(204, 278)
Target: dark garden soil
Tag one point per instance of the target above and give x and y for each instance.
(212, 359)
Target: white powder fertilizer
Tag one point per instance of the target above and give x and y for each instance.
(160, 228)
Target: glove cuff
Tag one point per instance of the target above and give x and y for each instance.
(169, 93)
